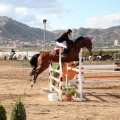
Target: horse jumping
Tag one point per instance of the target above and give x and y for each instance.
(47, 57)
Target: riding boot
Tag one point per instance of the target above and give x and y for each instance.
(63, 52)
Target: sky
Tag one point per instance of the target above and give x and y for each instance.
(63, 14)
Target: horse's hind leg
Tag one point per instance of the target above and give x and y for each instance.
(33, 71)
(38, 70)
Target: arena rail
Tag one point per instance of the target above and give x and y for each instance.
(82, 72)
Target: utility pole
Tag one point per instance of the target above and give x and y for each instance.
(44, 21)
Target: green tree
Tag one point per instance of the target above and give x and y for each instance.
(2, 113)
(18, 111)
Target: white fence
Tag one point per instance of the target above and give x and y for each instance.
(24, 53)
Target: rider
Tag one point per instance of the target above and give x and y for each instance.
(100, 54)
(67, 36)
(12, 53)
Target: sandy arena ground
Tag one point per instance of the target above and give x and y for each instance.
(103, 99)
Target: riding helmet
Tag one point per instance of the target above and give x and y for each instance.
(69, 31)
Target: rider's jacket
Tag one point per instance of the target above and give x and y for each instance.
(63, 38)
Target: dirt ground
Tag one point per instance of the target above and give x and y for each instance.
(103, 99)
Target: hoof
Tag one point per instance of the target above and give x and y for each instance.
(31, 74)
(31, 79)
(32, 84)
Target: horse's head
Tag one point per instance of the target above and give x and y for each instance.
(84, 42)
(88, 44)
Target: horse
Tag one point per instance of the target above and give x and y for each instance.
(48, 56)
(13, 57)
(93, 58)
(100, 58)
(106, 57)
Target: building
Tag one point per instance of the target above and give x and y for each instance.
(117, 43)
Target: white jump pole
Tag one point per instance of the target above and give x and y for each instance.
(51, 78)
(66, 75)
(60, 79)
(100, 81)
(100, 67)
(80, 77)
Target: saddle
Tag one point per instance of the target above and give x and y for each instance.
(58, 49)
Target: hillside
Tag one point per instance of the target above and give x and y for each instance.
(101, 37)
(11, 29)
(109, 34)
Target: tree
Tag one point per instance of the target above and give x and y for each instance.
(2, 113)
(18, 111)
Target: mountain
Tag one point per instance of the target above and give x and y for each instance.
(14, 30)
(11, 29)
(108, 34)
(101, 37)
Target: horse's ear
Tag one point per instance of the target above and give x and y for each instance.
(91, 38)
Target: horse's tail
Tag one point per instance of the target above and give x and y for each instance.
(34, 63)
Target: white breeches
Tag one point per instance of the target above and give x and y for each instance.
(61, 45)
(99, 56)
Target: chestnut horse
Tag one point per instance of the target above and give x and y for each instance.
(46, 57)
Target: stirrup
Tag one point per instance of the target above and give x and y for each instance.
(62, 55)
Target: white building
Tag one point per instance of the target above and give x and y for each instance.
(117, 43)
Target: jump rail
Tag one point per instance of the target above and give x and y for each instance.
(80, 70)
(51, 78)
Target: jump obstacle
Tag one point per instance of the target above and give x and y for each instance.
(60, 79)
(51, 78)
(68, 73)
(86, 72)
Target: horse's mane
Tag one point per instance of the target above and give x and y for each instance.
(79, 38)
(76, 40)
